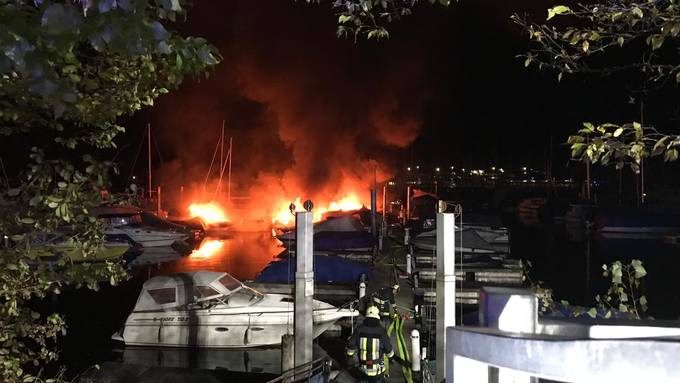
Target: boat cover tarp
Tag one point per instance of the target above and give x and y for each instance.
(343, 240)
(341, 223)
(327, 268)
(465, 239)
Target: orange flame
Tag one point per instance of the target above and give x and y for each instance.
(210, 212)
(208, 249)
(283, 216)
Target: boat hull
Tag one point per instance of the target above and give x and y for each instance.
(212, 329)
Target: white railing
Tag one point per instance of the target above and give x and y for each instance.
(564, 351)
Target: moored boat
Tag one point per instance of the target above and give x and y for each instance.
(214, 310)
(141, 227)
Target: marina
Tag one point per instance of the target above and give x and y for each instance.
(353, 191)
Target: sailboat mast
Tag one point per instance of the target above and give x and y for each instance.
(148, 135)
(219, 183)
(231, 154)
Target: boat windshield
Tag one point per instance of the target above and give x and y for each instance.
(229, 282)
(117, 221)
(245, 296)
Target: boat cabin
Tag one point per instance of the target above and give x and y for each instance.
(195, 290)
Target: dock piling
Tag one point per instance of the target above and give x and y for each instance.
(409, 261)
(446, 287)
(362, 289)
(415, 350)
(304, 287)
(407, 236)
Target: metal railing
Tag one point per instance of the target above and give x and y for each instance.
(306, 372)
(471, 351)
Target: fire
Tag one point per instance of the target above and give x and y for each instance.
(210, 212)
(283, 216)
(208, 249)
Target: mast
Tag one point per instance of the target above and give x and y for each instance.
(148, 135)
(219, 182)
(230, 155)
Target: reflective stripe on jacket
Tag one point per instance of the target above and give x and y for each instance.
(370, 343)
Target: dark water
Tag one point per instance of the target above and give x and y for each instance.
(569, 261)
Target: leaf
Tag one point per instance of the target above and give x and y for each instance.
(656, 41)
(677, 77)
(637, 12)
(670, 155)
(620, 40)
(589, 126)
(618, 132)
(559, 77)
(527, 61)
(585, 46)
(592, 312)
(623, 308)
(643, 300)
(577, 150)
(640, 271)
(638, 130)
(558, 10)
(659, 146)
(344, 18)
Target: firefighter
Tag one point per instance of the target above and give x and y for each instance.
(384, 300)
(371, 345)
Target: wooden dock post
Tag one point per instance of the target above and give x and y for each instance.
(304, 286)
(446, 286)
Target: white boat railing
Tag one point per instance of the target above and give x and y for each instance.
(563, 351)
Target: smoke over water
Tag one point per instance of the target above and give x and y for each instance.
(311, 116)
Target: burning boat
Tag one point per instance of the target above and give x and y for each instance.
(132, 224)
(214, 310)
(344, 232)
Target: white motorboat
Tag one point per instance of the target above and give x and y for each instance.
(215, 310)
(148, 231)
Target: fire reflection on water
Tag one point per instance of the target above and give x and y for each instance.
(208, 248)
(243, 255)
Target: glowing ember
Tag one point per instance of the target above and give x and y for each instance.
(208, 249)
(284, 217)
(210, 212)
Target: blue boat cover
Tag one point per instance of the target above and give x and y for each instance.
(343, 240)
(326, 269)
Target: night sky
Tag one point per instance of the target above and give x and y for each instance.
(445, 89)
